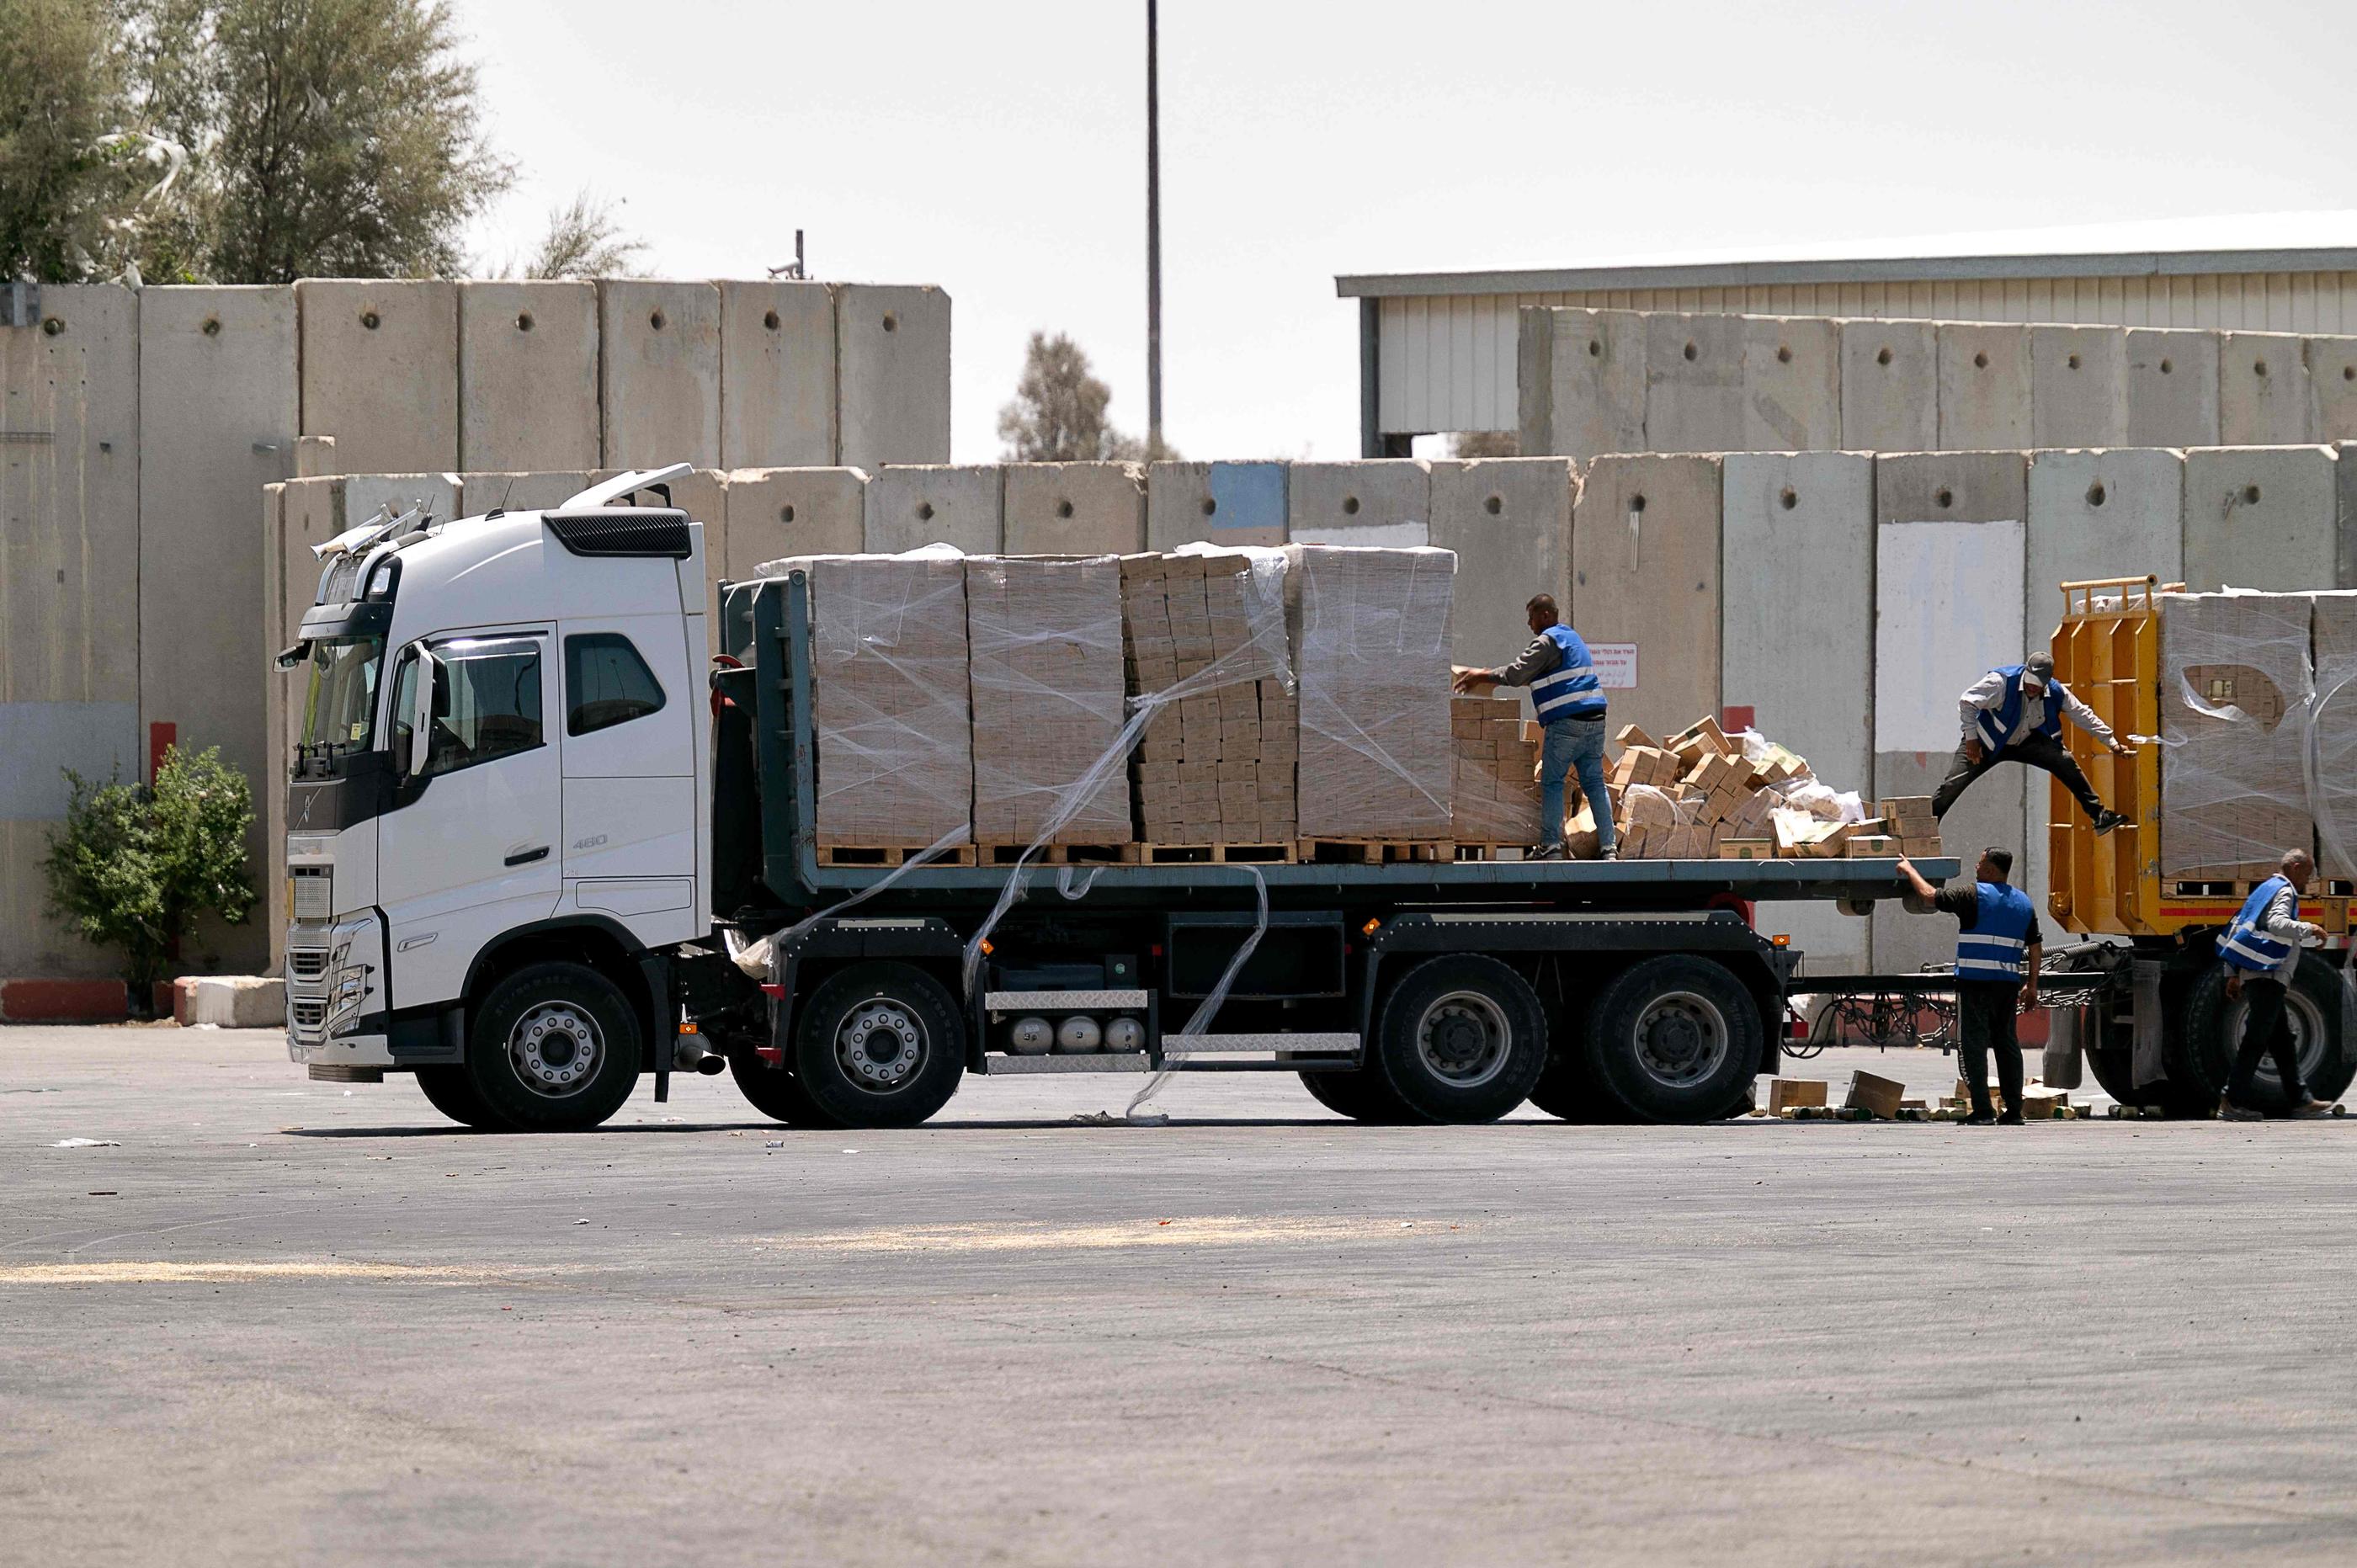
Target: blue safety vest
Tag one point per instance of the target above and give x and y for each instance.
(1996, 724)
(2246, 944)
(1572, 692)
(1991, 947)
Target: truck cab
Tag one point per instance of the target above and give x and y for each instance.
(499, 782)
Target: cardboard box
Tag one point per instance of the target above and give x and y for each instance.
(1371, 627)
(1789, 1093)
(1871, 846)
(1046, 697)
(1879, 1095)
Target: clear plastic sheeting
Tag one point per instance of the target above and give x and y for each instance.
(889, 692)
(1495, 795)
(2236, 700)
(2333, 739)
(1371, 631)
(1045, 635)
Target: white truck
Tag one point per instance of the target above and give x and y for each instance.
(531, 840)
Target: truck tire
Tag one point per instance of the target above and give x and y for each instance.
(775, 1092)
(554, 1049)
(2114, 1067)
(2202, 1052)
(452, 1091)
(1675, 1038)
(880, 1044)
(1460, 1039)
(1363, 1096)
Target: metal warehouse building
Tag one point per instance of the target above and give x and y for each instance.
(1437, 349)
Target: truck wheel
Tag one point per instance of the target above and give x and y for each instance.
(2115, 1071)
(880, 1044)
(1461, 1039)
(2201, 1053)
(775, 1092)
(1676, 1039)
(451, 1092)
(1363, 1096)
(554, 1049)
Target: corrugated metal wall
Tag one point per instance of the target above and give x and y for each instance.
(1448, 360)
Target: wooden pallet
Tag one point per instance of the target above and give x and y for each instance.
(1377, 852)
(1212, 854)
(851, 856)
(1061, 854)
(1506, 851)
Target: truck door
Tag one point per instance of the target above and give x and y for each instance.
(470, 848)
(630, 808)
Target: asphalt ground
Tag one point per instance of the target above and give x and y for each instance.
(277, 1322)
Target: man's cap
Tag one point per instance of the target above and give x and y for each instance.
(2038, 669)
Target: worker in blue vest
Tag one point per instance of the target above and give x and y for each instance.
(1569, 701)
(2261, 950)
(2015, 714)
(1999, 949)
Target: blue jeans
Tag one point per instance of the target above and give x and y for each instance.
(1575, 744)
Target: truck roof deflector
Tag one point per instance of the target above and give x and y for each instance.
(621, 485)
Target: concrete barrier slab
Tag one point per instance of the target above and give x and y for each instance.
(1985, 382)
(911, 507)
(270, 801)
(2332, 389)
(1645, 586)
(1075, 509)
(1694, 383)
(1509, 520)
(1384, 502)
(2078, 386)
(704, 495)
(1792, 384)
(2172, 388)
(659, 352)
(777, 375)
(2263, 389)
(1891, 386)
(233, 1001)
(892, 354)
(1797, 650)
(774, 513)
(2261, 518)
(2345, 482)
(1232, 504)
(315, 457)
(480, 493)
(1580, 379)
(379, 372)
(528, 377)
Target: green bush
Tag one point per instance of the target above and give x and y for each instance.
(137, 865)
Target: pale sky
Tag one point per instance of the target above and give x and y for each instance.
(1000, 151)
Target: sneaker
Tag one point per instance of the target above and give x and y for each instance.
(2311, 1109)
(2239, 1113)
(1612, 854)
(2106, 820)
(1544, 852)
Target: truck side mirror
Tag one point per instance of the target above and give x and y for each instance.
(420, 713)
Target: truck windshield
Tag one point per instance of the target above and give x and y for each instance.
(340, 708)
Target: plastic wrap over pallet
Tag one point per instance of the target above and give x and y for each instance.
(2332, 746)
(889, 707)
(1371, 635)
(2236, 696)
(1045, 635)
(1207, 651)
(1495, 797)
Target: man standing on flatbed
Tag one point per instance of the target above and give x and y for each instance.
(1999, 949)
(2261, 950)
(2015, 714)
(1569, 701)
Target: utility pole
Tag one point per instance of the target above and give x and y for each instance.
(1152, 234)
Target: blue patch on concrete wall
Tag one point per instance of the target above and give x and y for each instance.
(1249, 501)
(39, 740)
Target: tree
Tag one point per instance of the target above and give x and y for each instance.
(1485, 444)
(135, 867)
(63, 178)
(1059, 411)
(586, 239)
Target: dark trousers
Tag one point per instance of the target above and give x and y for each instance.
(2034, 749)
(1985, 1013)
(2265, 1032)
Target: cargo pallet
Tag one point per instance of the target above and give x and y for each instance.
(1471, 851)
(1061, 853)
(873, 855)
(1376, 852)
(1212, 853)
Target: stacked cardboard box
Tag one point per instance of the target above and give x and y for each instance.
(1496, 789)
(2335, 802)
(1046, 681)
(1371, 631)
(1907, 823)
(2234, 690)
(1206, 637)
(1688, 797)
(888, 697)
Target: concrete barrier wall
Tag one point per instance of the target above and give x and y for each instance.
(381, 371)
(1074, 508)
(777, 513)
(659, 346)
(219, 413)
(1387, 501)
(1616, 381)
(528, 377)
(1797, 647)
(1232, 504)
(2261, 518)
(1508, 519)
(908, 508)
(777, 374)
(1645, 583)
(892, 368)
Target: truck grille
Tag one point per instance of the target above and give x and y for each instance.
(307, 963)
(311, 1017)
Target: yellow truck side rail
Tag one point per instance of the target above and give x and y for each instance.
(2107, 651)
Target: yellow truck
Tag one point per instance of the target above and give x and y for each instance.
(2162, 1031)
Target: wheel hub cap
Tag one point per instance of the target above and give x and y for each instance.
(555, 1048)
(1682, 1040)
(1464, 1039)
(880, 1044)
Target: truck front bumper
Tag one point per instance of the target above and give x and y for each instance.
(335, 997)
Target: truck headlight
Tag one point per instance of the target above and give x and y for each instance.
(344, 1001)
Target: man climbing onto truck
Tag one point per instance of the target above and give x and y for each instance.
(2015, 714)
